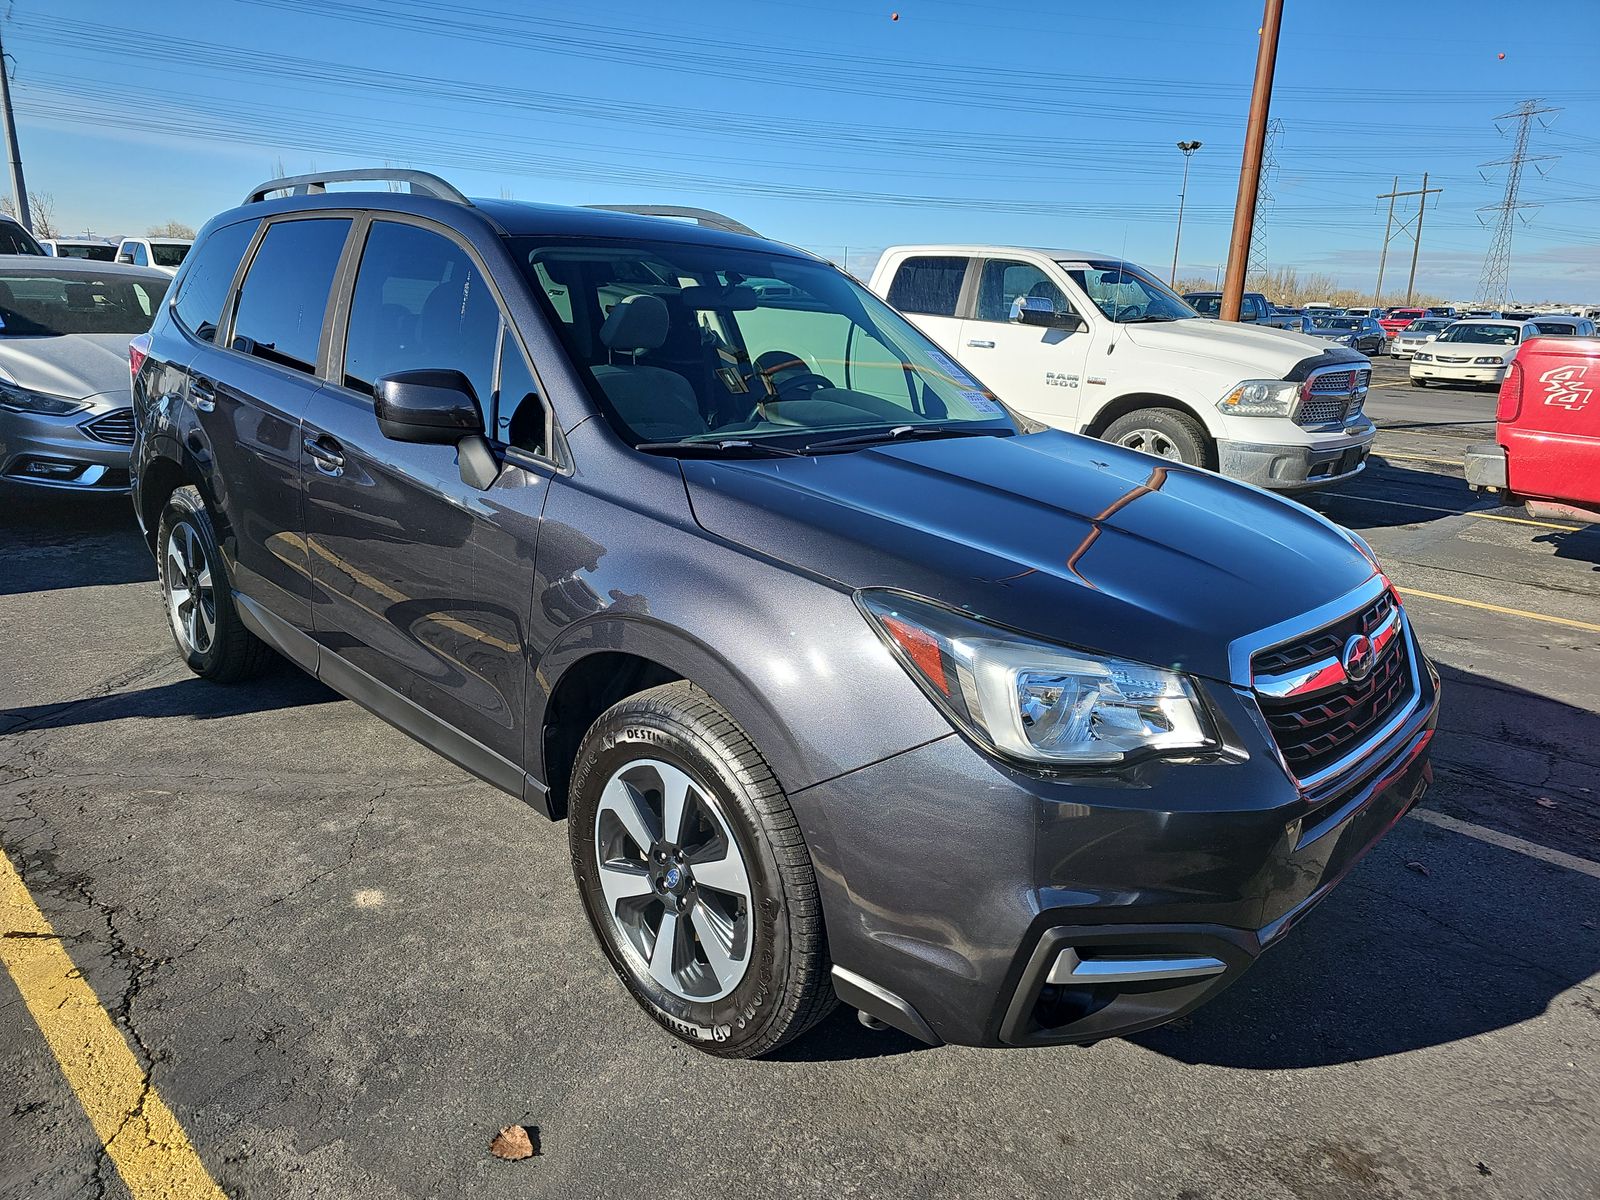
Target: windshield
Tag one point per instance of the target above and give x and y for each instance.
(1484, 335)
(37, 303)
(84, 250)
(1126, 293)
(1429, 325)
(168, 254)
(695, 343)
(1321, 322)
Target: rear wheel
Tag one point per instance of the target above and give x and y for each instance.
(199, 595)
(695, 876)
(1163, 432)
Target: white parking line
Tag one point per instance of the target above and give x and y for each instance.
(1506, 842)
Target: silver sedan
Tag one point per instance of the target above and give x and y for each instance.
(65, 324)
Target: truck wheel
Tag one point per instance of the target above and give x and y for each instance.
(695, 875)
(199, 595)
(1163, 432)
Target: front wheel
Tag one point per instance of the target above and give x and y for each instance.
(695, 876)
(1415, 382)
(1163, 432)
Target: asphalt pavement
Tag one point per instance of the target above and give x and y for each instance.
(345, 964)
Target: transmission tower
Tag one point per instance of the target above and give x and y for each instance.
(1494, 285)
(1258, 232)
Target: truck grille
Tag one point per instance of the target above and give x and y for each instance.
(1317, 714)
(115, 427)
(1333, 396)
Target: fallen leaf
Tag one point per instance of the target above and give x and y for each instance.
(1546, 802)
(513, 1143)
(1419, 868)
(1483, 1169)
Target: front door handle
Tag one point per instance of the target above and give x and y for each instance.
(980, 344)
(326, 453)
(202, 392)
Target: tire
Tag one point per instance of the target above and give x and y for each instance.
(1163, 433)
(736, 823)
(198, 595)
(1416, 382)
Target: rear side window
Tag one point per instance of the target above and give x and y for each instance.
(199, 301)
(284, 295)
(928, 285)
(420, 303)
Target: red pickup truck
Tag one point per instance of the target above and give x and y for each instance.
(1397, 319)
(1546, 450)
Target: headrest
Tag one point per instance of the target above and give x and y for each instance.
(639, 322)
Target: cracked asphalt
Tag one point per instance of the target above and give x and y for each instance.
(346, 964)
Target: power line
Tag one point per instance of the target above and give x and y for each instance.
(1494, 284)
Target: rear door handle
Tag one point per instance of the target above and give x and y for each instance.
(202, 393)
(981, 345)
(326, 453)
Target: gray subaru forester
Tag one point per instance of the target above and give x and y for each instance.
(850, 683)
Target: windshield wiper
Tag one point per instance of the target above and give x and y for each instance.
(730, 448)
(904, 431)
(1151, 317)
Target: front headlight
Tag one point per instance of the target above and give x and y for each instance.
(1489, 360)
(19, 399)
(1419, 356)
(1348, 340)
(1027, 699)
(1261, 398)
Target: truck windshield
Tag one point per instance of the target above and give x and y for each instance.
(41, 303)
(1127, 294)
(1484, 335)
(689, 345)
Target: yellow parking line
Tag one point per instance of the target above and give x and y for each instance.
(142, 1137)
(1500, 608)
(1454, 512)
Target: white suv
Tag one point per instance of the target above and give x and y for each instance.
(1097, 345)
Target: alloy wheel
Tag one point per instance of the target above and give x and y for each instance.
(675, 883)
(1151, 441)
(191, 601)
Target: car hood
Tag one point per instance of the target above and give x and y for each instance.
(1068, 538)
(1266, 352)
(74, 365)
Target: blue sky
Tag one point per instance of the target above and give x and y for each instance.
(831, 125)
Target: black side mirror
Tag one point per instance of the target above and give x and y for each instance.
(433, 407)
(1040, 311)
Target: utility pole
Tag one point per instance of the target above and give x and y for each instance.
(1188, 149)
(19, 189)
(1255, 138)
(1495, 281)
(1408, 226)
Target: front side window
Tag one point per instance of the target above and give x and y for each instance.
(140, 258)
(930, 285)
(1127, 294)
(284, 296)
(519, 415)
(685, 342)
(44, 303)
(1004, 281)
(420, 303)
(199, 302)
(1473, 333)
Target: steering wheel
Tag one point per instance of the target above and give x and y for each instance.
(798, 380)
(1129, 312)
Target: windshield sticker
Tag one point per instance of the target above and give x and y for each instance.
(980, 402)
(949, 369)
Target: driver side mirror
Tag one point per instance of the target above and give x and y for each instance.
(1040, 311)
(437, 408)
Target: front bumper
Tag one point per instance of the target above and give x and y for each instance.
(1404, 350)
(1293, 468)
(1457, 372)
(62, 452)
(975, 904)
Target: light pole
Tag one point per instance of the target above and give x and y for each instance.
(1188, 149)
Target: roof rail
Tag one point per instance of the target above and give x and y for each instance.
(422, 183)
(700, 216)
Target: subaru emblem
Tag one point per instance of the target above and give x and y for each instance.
(1359, 658)
(673, 876)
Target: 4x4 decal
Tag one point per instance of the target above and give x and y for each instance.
(1562, 388)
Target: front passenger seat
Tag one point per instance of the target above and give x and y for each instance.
(658, 405)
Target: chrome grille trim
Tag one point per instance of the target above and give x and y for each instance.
(115, 427)
(1332, 395)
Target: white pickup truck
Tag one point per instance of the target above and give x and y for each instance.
(1097, 345)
